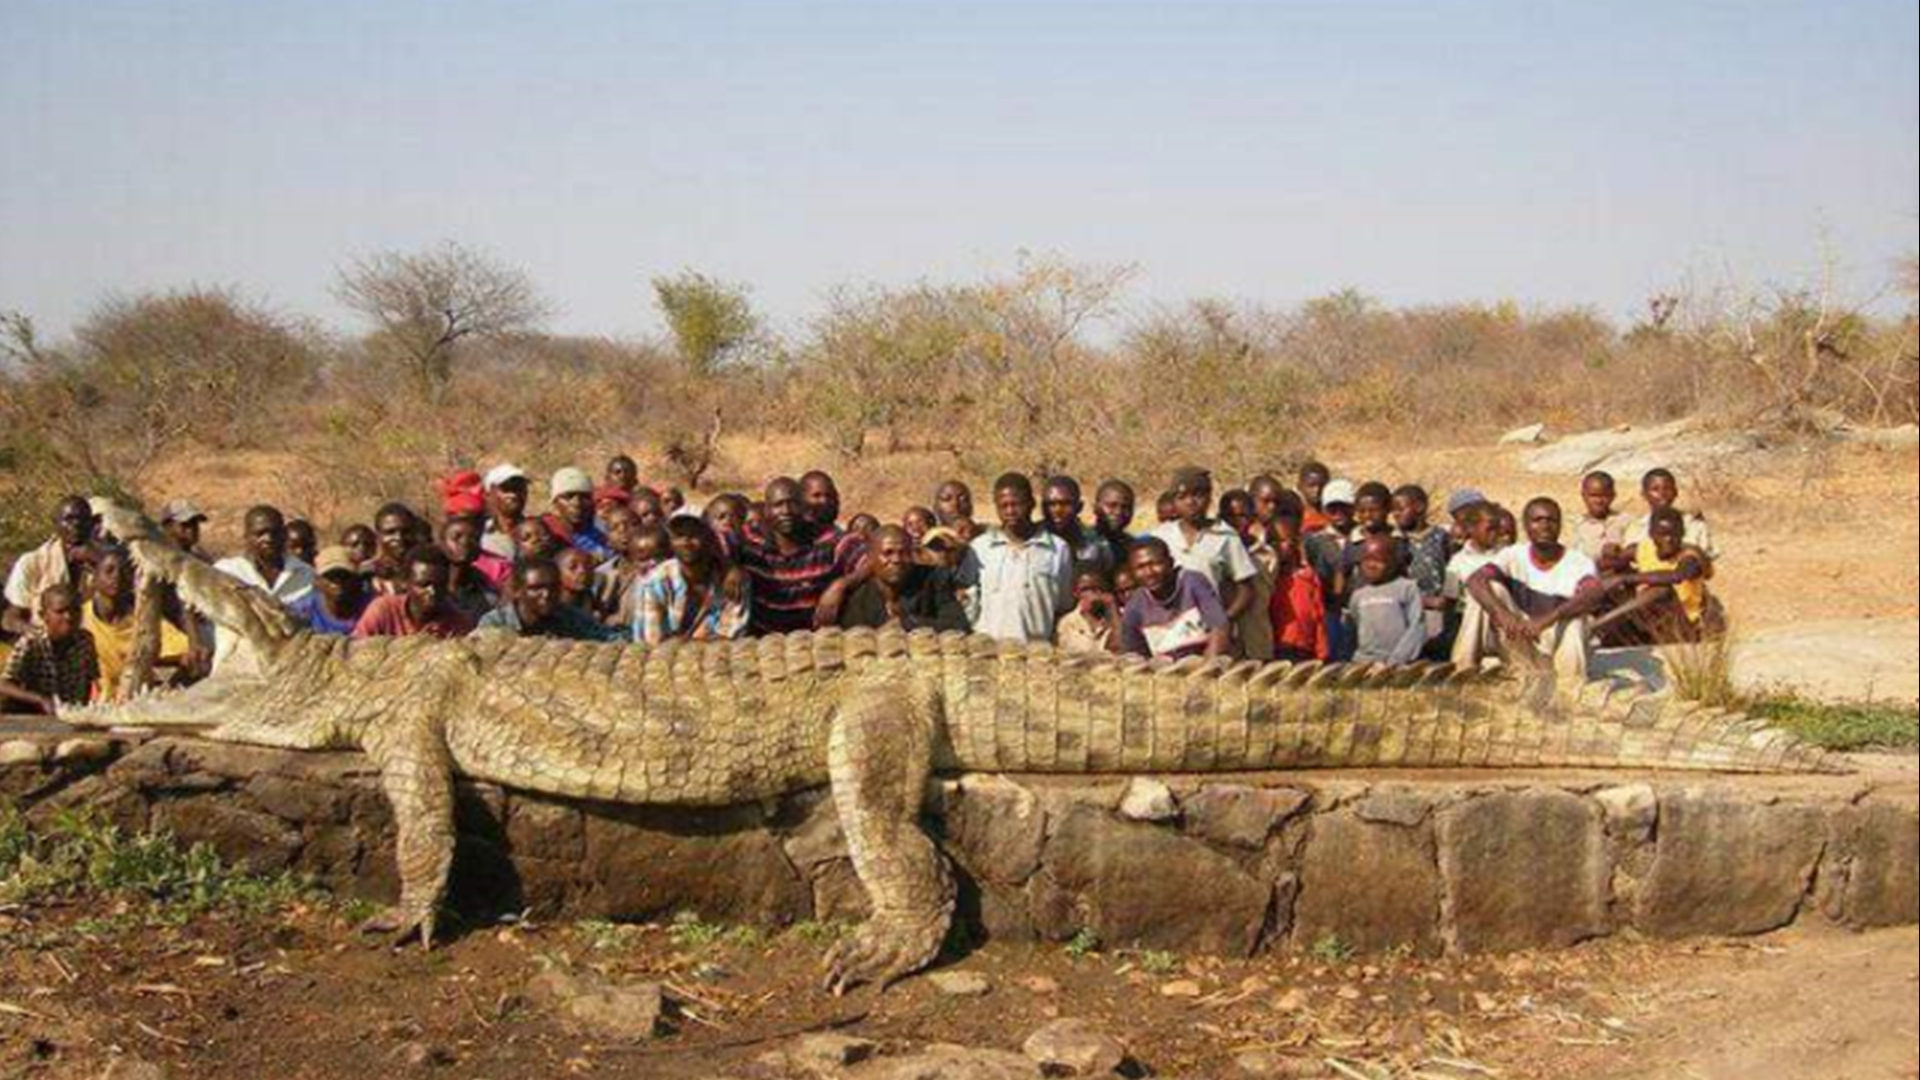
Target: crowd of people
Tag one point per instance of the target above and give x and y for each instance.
(1322, 570)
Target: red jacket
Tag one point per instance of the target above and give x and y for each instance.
(1299, 613)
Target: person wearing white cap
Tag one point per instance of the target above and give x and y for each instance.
(572, 519)
(506, 488)
(1327, 554)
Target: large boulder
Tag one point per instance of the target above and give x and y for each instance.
(1727, 865)
(1372, 886)
(1136, 887)
(645, 862)
(1524, 870)
(1876, 867)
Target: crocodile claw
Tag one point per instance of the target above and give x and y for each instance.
(399, 926)
(882, 953)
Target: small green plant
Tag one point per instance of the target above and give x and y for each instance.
(81, 856)
(819, 935)
(1331, 949)
(1842, 727)
(692, 933)
(77, 854)
(1154, 962)
(1082, 945)
(600, 935)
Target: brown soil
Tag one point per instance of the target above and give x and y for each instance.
(301, 997)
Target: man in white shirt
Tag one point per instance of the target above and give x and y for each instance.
(1020, 575)
(1533, 600)
(265, 566)
(1210, 548)
(65, 559)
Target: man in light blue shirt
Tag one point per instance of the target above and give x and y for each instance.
(1021, 576)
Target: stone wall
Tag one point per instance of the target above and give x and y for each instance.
(1467, 862)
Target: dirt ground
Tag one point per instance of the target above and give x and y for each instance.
(303, 998)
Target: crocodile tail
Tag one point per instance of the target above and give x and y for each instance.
(1664, 731)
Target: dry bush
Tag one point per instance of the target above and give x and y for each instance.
(1035, 371)
(145, 377)
(1702, 672)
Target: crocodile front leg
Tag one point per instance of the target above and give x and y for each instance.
(880, 758)
(416, 772)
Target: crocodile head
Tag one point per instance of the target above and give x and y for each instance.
(267, 636)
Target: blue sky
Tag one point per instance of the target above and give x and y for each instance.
(1548, 151)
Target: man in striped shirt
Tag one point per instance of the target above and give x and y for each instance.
(794, 564)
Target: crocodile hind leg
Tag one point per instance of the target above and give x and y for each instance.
(416, 773)
(880, 758)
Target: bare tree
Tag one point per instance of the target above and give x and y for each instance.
(425, 306)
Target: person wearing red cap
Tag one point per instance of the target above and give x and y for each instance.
(463, 494)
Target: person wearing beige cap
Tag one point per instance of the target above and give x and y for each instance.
(339, 595)
(572, 519)
(181, 521)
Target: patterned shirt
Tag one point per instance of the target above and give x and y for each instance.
(667, 609)
(1428, 552)
(65, 671)
(788, 587)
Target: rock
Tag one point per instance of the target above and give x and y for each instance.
(1633, 811)
(1877, 866)
(1097, 881)
(83, 750)
(1630, 452)
(257, 843)
(645, 862)
(1237, 816)
(544, 829)
(22, 752)
(830, 1051)
(127, 1068)
(300, 801)
(594, 1005)
(1075, 1048)
(1266, 1065)
(1040, 984)
(1395, 804)
(996, 829)
(1904, 437)
(1834, 660)
(953, 1063)
(819, 839)
(1149, 801)
(419, 1055)
(961, 984)
(1531, 435)
(1523, 871)
(1724, 866)
(1373, 887)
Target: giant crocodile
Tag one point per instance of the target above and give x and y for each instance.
(872, 715)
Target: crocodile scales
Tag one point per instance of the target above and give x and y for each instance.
(872, 715)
